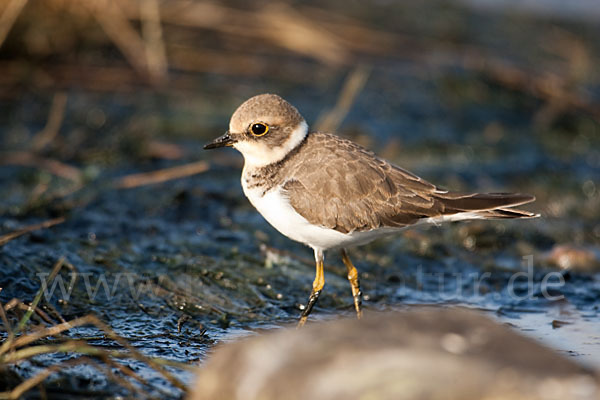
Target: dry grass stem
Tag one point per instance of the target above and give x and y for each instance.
(9, 15)
(19, 305)
(156, 364)
(293, 31)
(164, 150)
(49, 331)
(5, 322)
(279, 25)
(53, 310)
(13, 351)
(162, 175)
(116, 26)
(155, 47)
(55, 118)
(77, 346)
(353, 85)
(52, 166)
(43, 225)
(37, 379)
(303, 30)
(36, 300)
(548, 86)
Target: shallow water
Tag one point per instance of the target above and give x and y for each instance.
(578, 338)
(143, 258)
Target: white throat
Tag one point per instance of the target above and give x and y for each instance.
(258, 154)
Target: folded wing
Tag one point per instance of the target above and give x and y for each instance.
(348, 188)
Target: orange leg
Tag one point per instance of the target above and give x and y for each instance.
(354, 283)
(318, 284)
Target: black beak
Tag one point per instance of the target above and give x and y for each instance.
(222, 141)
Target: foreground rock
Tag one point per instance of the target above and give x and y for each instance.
(427, 353)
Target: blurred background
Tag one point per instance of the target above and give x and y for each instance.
(105, 106)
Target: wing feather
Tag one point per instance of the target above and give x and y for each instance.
(347, 188)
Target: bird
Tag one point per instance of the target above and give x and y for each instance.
(330, 193)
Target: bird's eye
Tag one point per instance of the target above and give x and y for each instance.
(259, 129)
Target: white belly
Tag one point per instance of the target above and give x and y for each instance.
(276, 209)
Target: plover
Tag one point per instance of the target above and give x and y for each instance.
(330, 193)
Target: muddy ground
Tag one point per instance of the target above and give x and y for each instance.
(468, 98)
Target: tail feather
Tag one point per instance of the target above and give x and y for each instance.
(507, 213)
(486, 205)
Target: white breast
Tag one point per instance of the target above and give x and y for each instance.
(276, 209)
